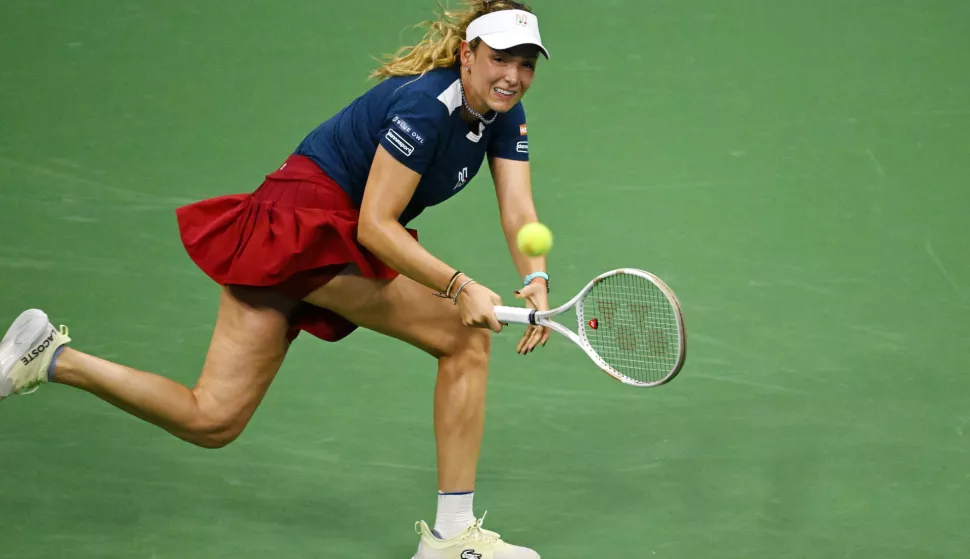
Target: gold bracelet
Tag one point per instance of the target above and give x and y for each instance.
(444, 294)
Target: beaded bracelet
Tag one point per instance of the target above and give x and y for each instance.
(445, 294)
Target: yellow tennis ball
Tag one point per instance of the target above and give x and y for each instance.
(534, 239)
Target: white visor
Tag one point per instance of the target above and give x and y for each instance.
(505, 29)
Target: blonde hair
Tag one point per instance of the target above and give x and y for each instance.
(441, 44)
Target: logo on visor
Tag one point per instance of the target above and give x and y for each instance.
(521, 20)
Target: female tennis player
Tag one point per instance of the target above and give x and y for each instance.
(322, 247)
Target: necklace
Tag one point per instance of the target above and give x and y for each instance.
(472, 111)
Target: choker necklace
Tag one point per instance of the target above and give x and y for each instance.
(472, 111)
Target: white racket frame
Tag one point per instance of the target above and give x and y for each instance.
(518, 315)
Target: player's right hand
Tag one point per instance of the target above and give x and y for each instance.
(477, 303)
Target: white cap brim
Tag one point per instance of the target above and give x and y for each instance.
(502, 41)
(505, 29)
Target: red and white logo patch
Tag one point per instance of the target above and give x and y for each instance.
(522, 130)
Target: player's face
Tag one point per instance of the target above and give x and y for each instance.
(499, 79)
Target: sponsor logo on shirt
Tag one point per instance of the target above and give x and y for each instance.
(400, 143)
(523, 130)
(522, 147)
(407, 129)
(462, 178)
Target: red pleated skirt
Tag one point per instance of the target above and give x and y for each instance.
(293, 234)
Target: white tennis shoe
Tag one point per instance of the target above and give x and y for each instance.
(26, 351)
(474, 543)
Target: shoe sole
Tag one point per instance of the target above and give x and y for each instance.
(20, 337)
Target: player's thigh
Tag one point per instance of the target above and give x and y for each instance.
(247, 348)
(404, 309)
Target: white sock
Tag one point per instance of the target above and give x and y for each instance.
(454, 514)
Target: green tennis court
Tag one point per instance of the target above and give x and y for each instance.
(798, 172)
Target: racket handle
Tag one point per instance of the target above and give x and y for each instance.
(514, 315)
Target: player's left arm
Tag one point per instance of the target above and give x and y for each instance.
(508, 159)
(513, 188)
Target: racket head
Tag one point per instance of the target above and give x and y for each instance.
(632, 326)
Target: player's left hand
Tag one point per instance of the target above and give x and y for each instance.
(536, 297)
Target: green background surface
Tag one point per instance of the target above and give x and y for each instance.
(796, 171)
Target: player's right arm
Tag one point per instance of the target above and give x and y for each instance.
(390, 186)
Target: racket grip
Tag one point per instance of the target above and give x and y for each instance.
(514, 315)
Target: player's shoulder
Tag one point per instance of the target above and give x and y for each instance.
(512, 122)
(433, 83)
(516, 112)
(436, 91)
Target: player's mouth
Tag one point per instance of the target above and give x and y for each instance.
(503, 93)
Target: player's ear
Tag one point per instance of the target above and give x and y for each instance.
(466, 56)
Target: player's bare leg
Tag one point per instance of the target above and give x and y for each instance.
(405, 309)
(246, 350)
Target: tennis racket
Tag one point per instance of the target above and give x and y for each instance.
(629, 323)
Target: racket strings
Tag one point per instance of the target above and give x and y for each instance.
(631, 324)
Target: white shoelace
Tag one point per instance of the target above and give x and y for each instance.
(476, 532)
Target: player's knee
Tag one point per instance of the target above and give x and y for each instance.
(218, 436)
(215, 435)
(216, 428)
(472, 347)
